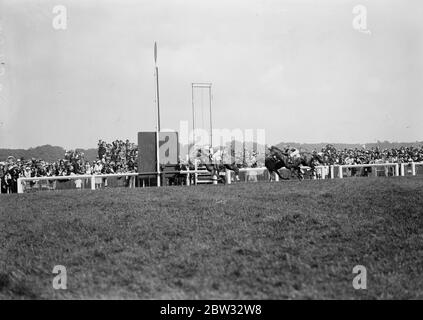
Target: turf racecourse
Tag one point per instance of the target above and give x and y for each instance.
(256, 240)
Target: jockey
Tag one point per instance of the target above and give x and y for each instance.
(293, 153)
(216, 157)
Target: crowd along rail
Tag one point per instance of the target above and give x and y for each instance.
(192, 175)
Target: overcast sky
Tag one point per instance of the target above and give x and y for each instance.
(297, 69)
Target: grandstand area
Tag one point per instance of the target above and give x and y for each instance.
(245, 240)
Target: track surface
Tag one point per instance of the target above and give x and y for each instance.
(256, 240)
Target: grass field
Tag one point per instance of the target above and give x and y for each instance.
(257, 240)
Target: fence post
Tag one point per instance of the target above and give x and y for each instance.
(413, 168)
(397, 170)
(187, 178)
(93, 182)
(228, 177)
(332, 171)
(20, 188)
(341, 174)
(195, 173)
(403, 169)
(214, 179)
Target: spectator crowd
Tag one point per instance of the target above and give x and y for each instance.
(116, 157)
(121, 157)
(368, 156)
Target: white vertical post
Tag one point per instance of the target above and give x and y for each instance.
(332, 171)
(276, 177)
(403, 169)
(228, 177)
(187, 177)
(93, 182)
(413, 168)
(214, 179)
(20, 188)
(341, 174)
(195, 173)
(397, 170)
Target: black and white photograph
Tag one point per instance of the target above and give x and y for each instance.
(227, 152)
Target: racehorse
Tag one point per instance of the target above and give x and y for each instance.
(305, 159)
(215, 163)
(273, 165)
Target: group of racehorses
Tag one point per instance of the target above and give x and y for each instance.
(275, 159)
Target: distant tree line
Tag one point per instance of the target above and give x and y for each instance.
(46, 152)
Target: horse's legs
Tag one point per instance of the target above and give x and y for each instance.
(223, 178)
(314, 172)
(215, 172)
(232, 167)
(278, 173)
(235, 169)
(297, 172)
(270, 175)
(300, 174)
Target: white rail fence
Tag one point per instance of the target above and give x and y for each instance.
(94, 180)
(194, 176)
(410, 168)
(375, 166)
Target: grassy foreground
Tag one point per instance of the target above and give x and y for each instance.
(256, 240)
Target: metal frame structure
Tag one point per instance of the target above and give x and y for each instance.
(202, 85)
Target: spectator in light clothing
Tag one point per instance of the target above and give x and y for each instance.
(78, 183)
(97, 170)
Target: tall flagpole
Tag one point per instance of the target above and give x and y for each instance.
(158, 115)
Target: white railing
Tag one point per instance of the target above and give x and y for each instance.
(322, 172)
(196, 173)
(369, 165)
(250, 174)
(92, 178)
(199, 172)
(413, 167)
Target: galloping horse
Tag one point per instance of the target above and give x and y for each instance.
(306, 159)
(214, 163)
(273, 165)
